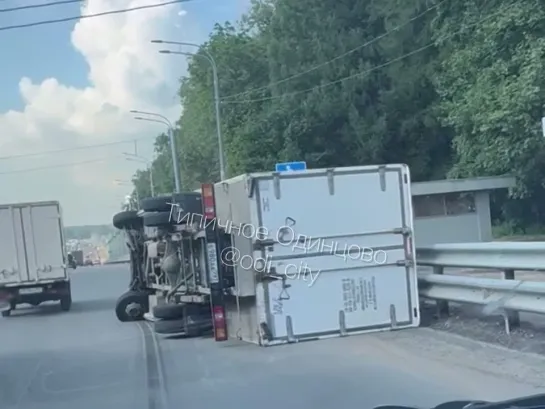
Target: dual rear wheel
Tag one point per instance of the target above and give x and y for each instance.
(189, 320)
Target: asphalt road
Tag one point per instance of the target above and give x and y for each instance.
(86, 359)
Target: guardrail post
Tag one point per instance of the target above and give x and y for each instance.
(442, 305)
(513, 317)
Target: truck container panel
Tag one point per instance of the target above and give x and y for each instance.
(32, 234)
(338, 258)
(13, 267)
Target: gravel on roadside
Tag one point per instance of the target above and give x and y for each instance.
(469, 321)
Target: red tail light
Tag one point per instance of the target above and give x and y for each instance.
(208, 202)
(220, 327)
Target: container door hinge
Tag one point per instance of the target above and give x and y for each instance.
(269, 276)
(382, 177)
(405, 231)
(276, 183)
(393, 318)
(250, 186)
(289, 330)
(331, 181)
(404, 263)
(261, 244)
(342, 324)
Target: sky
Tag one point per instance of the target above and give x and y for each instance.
(72, 85)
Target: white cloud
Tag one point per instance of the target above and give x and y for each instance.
(125, 72)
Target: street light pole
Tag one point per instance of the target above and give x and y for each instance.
(215, 80)
(151, 185)
(174, 159)
(164, 120)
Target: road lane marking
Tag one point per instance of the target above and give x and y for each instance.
(157, 393)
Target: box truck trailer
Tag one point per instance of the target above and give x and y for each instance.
(32, 256)
(278, 257)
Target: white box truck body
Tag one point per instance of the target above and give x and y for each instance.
(321, 253)
(32, 256)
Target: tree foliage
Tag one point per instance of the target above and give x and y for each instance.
(452, 88)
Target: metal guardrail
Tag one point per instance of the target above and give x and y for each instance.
(497, 255)
(506, 297)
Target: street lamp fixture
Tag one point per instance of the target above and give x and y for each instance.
(207, 56)
(165, 121)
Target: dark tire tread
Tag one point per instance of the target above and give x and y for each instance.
(127, 298)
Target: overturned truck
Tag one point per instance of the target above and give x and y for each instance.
(272, 258)
(169, 283)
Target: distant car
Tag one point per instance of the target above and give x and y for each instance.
(71, 262)
(88, 262)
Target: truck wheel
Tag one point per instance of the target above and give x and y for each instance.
(131, 306)
(187, 204)
(127, 220)
(12, 306)
(156, 204)
(169, 327)
(159, 219)
(169, 311)
(66, 302)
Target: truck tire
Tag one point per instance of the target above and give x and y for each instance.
(131, 306)
(156, 204)
(66, 302)
(189, 203)
(127, 220)
(66, 298)
(187, 326)
(169, 311)
(159, 219)
(12, 306)
(198, 325)
(168, 327)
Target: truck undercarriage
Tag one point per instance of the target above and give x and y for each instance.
(168, 265)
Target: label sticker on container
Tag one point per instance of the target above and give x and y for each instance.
(359, 294)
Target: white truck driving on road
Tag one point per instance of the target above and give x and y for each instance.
(32, 256)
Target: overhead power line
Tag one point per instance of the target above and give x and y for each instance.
(85, 16)
(37, 6)
(347, 53)
(75, 148)
(376, 68)
(63, 165)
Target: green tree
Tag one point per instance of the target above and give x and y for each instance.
(450, 88)
(491, 80)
